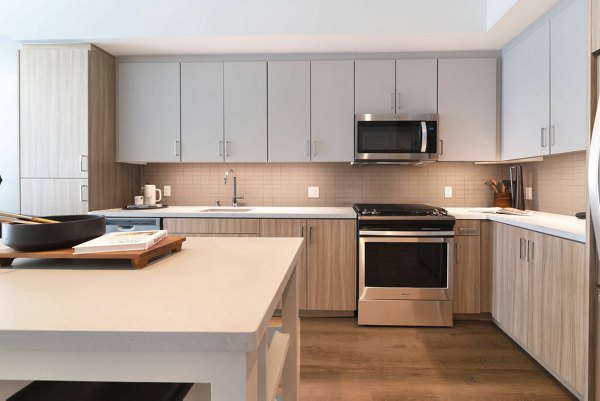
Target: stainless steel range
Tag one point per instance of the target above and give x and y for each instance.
(405, 263)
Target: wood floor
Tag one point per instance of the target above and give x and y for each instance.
(471, 361)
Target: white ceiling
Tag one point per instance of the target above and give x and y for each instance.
(271, 26)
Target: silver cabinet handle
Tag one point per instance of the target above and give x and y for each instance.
(314, 148)
(392, 105)
(83, 194)
(530, 251)
(310, 234)
(457, 252)
(220, 148)
(398, 101)
(467, 229)
(543, 136)
(176, 148)
(423, 136)
(307, 147)
(522, 248)
(226, 148)
(441, 147)
(552, 135)
(83, 163)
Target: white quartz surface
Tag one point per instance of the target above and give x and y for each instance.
(258, 212)
(559, 225)
(217, 294)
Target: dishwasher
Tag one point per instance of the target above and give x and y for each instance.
(114, 224)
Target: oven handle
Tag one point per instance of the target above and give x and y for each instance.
(406, 233)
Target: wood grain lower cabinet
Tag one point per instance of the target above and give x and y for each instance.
(217, 226)
(290, 228)
(466, 275)
(540, 288)
(331, 275)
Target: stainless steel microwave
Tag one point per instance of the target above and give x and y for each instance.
(396, 138)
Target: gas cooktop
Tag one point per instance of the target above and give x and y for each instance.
(382, 209)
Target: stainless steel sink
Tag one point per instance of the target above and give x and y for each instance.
(227, 210)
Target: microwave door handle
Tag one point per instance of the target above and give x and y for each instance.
(423, 136)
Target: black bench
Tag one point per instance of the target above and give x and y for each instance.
(101, 391)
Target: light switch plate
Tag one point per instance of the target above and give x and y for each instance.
(448, 192)
(313, 192)
(167, 190)
(528, 193)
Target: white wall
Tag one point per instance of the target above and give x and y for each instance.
(9, 125)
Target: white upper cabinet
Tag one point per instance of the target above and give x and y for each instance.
(332, 111)
(416, 86)
(375, 87)
(526, 96)
(568, 89)
(202, 112)
(467, 109)
(54, 112)
(245, 111)
(544, 87)
(289, 111)
(148, 112)
(400, 86)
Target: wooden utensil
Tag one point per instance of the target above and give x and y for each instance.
(27, 218)
(16, 221)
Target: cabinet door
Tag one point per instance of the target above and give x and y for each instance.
(54, 196)
(332, 111)
(290, 228)
(331, 276)
(289, 111)
(559, 306)
(467, 109)
(466, 275)
(526, 96)
(510, 281)
(202, 112)
(245, 112)
(568, 77)
(211, 226)
(148, 112)
(416, 86)
(374, 85)
(54, 113)
(595, 22)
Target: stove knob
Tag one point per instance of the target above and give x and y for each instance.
(435, 212)
(374, 212)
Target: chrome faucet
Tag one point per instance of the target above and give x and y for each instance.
(235, 198)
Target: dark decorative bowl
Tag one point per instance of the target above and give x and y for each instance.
(71, 230)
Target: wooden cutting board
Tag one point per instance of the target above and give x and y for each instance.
(138, 259)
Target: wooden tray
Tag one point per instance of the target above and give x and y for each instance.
(138, 259)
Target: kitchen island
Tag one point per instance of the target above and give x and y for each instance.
(200, 315)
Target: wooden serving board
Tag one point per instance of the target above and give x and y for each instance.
(138, 259)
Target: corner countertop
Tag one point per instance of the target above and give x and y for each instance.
(255, 212)
(559, 225)
(204, 298)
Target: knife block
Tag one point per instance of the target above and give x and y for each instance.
(502, 199)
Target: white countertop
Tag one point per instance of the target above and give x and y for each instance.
(559, 225)
(217, 294)
(255, 212)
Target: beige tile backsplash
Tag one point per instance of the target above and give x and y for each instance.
(558, 183)
(286, 184)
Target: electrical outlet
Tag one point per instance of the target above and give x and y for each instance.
(448, 192)
(528, 193)
(167, 190)
(313, 192)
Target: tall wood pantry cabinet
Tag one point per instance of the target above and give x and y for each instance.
(67, 132)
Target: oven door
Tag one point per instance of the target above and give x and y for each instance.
(394, 137)
(415, 268)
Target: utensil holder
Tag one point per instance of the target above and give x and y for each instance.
(502, 199)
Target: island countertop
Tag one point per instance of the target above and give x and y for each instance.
(217, 294)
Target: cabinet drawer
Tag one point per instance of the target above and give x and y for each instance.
(212, 226)
(467, 227)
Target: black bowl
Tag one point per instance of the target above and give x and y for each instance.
(71, 230)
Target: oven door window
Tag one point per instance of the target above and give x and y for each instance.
(389, 137)
(406, 264)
